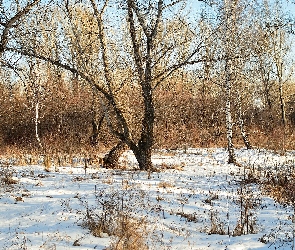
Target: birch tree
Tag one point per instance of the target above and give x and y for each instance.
(34, 91)
(227, 14)
(233, 45)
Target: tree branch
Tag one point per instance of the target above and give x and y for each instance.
(136, 50)
(10, 23)
(172, 4)
(158, 18)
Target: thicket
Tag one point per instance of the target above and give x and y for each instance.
(186, 116)
(80, 77)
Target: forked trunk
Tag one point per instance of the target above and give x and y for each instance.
(142, 154)
(111, 160)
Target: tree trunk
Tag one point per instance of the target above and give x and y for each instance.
(229, 26)
(143, 156)
(229, 123)
(241, 123)
(36, 125)
(282, 103)
(143, 149)
(244, 135)
(95, 130)
(111, 160)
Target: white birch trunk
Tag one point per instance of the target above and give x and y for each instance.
(228, 116)
(36, 124)
(282, 101)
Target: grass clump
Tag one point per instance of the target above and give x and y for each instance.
(114, 216)
(6, 174)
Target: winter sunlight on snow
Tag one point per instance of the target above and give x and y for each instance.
(195, 201)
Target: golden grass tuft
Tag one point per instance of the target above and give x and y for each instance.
(47, 163)
(165, 184)
(131, 234)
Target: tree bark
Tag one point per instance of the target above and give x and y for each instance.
(282, 103)
(144, 160)
(143, 149)
(36, 125)
(95, 130)
(241, 123)
(228, 81)
(111, 160)
(228, 117)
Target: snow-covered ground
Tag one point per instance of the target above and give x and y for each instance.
(197, 202)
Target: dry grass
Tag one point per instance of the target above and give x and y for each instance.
(47, 163)
(131, 234)
(6, 175)
(281, 187)
(127, 232)
(7, 180)
(188, 217)
(114, 216)
(182, 120)
(179, 167)
(165, 184)
(217, 226)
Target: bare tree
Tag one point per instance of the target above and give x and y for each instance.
(150, 52)
(279, 52)
(228, 31)
(233, 45)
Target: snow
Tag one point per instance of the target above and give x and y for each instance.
(45, 210)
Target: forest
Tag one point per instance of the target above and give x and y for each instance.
(106, 76)
(160, 124)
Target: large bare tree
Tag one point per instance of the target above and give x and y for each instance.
(150, 43)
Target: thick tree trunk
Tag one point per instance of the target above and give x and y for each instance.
(111, 160)
(143, 155)
(143, 149)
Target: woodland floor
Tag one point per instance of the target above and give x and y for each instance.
(195, 201)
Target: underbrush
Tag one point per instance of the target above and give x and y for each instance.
(114, 215)
(193, 192)
(7, 179)
(278, 183)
